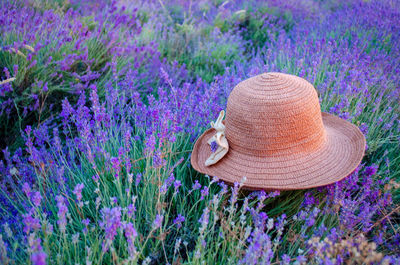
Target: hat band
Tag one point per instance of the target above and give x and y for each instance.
(219, 139)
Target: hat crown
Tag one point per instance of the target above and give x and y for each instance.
(274, 113)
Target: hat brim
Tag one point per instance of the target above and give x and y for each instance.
(336, 159)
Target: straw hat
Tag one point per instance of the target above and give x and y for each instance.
(275, 135)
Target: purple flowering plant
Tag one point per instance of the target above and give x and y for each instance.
(109, 97)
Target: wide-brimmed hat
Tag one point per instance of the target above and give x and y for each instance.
(275, 136)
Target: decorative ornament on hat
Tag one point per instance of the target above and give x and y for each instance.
(219, 138)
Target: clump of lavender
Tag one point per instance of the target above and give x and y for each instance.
(179, 220)
(62, 212)
(31, 223)
(130, 235)
(111, 222)
(158, 221)
(356, 249)
(259, 250)
(78, 193)
(38, 256)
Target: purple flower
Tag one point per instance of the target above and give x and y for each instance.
(204, 219)
(179, 220)
(150, 144)
(130, 232)
(27, 189)
(78, 191)
(138, 178)
(204, 193)
(370, 170)
(45, 87)
(131, 210)
(15, 69)
(214, 146)
(281, 222)
(301, 259)
(86, 221)
(285, 259)
(38, 255)
(309, 200)
(116, 165)
(259, 219)
(62, 212)
(165, 76)
(31, 223)
(168, 182)
(95, 178)
(177, 184)
(36, 198)
(214, 179)
(158, 221)
(130, 235)
(196, 185)
(163, 189)
(273, 194)
(114, 200)
(158, 161)
(259, 250)
(111, 221)
(364, 128)
(39, 258)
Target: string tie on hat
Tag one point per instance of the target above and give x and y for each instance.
(220, 139)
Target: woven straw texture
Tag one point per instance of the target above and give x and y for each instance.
(279, 139)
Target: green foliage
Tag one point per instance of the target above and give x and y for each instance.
(206, 56)
(254, 25)
(196, 45)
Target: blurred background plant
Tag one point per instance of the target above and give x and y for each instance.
(102, 101)
(54, 53)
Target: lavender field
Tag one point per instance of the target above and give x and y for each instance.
(101, 103)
